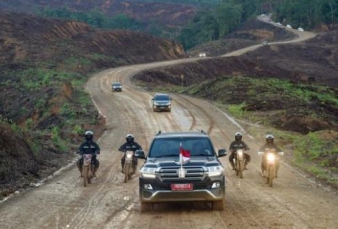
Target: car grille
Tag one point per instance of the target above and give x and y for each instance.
(192, 173)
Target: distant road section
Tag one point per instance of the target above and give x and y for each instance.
(301, 36)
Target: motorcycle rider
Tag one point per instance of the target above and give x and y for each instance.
(89, 147)
(238, 144)
(130, 144)
(269, 146)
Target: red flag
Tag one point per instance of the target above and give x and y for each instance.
(184, 154)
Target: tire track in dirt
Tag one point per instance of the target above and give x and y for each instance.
(129, 125)
(116, 215)
(193, 123)
(208, 117)
(82, 215)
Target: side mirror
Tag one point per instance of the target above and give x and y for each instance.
(140, 154)
(222, 152)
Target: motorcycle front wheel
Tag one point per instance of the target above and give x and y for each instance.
(241, 168)
(126, 171)
(271, 175)
(85, 175)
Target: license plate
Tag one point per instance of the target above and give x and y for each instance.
(182, 187)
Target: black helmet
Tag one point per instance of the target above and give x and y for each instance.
(89, 135)
(269, 138)
(238, 136)
(130, 138)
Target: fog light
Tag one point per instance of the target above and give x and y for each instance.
(148, 186)
(216, 185)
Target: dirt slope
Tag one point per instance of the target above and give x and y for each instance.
(42, 63)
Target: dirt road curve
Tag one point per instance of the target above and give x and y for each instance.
(293, 202)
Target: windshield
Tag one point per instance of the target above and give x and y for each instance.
(116, 84)
(161, 97)
(163, 147)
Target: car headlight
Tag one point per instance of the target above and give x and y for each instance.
(215, 171)
(148, 172)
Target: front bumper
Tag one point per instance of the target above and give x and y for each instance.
(162, 192)
(194, 195)
(162, 108)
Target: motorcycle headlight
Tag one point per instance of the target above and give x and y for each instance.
(129, 155)
(148, 173)
(270, 157)
(215, 171)
(240, 152)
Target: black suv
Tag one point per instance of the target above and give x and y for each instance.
(165, 177)
(161, 102)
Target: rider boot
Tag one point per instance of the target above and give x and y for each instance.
(232, 165)
(79, 166)
(245, 165)
(276, 171)
(96, 166)
(263, 169)
(122, 162)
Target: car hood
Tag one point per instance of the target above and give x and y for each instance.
(162, 101)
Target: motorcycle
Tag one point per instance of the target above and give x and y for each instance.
(129, 166)
(239, 162)
(272, 166)
(88, 169)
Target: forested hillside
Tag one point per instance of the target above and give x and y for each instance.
(227, 15)
(307, 13)
(190, 22)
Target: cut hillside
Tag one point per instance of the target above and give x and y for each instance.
(170, 15)
(250, 33)
(43, 106)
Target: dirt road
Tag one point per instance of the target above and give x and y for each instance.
(62, 202)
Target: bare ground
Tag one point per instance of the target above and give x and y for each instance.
(294, 202)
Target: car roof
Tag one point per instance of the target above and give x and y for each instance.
(161, 94)
(182, 134)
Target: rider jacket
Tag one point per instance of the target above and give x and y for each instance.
(89, 147)
(270, 147)
(238, 145)
(133, 146)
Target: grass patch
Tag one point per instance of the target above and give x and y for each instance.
(237, 110)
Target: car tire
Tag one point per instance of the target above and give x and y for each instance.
(218, 205)
(146, 206)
